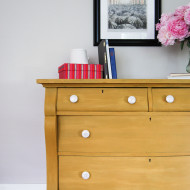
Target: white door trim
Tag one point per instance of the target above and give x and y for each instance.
(22, 186)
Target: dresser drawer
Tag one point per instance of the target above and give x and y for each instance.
(107, 134)
(171, 99)
(102, 99)
(137, 135)
(121, 173)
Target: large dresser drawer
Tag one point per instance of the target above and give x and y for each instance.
(136, 135)
(171, 99)
(122, 173)
(102, 99)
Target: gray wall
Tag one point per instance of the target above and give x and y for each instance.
(35, 38)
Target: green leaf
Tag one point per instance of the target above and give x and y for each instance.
(182, 45)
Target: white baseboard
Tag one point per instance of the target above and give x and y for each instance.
(22, 186)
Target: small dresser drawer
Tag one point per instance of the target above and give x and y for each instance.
(121, 173)
(171, 99)
(102, 99)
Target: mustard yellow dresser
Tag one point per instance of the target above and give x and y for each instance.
(117, 134)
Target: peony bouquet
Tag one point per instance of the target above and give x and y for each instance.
(175, 27)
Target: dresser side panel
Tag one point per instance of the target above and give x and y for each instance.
(50, 101)
(51, 152)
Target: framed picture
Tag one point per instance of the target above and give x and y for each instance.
(126, 22)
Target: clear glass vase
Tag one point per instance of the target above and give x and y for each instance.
(188, 66)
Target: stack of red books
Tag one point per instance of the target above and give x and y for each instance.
(80, 71)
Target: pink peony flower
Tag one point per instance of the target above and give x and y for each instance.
(174, 27)
(158, 26)
(178, 28)
(165, 37)
(187, 17)
(180, 11)
(164, 18)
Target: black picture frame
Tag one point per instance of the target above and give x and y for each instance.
(116, 42)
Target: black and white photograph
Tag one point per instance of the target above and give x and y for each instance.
(126, 22)
(127, 14)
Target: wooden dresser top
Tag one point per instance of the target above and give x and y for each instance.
(113, 83)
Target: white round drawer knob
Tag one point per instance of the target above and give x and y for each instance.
(170, 99)
(73, 98)
(85, 175)
(85, 134)
(132, 100)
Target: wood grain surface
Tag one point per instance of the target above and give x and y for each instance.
(144, 146)
(51, 138)
(113, 83)
(50, 101)
(101, 99)
(51, 152)
(137, 135)
(180, 104)
(159, 173)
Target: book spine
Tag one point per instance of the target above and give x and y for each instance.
(108, 60)
(113, 63)
(179, 78)
(102, 58)
(105, 66)
(179, 74)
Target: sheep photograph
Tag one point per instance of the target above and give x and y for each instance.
(127, 14)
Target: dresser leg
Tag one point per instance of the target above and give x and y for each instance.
(51, 152)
